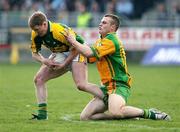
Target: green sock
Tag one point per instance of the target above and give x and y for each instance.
(152, 115)
(42, 112)
(149, 114)
(146, 113)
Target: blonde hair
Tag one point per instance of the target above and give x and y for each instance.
(115, 20)
(37, 18)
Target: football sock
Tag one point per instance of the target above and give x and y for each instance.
(146, 113)
(42, 111)
(149, 114)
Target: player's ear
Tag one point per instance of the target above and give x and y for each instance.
(113, 27)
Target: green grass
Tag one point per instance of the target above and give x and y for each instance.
(157, 87)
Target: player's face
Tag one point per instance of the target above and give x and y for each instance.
(105, 26)
(41, 30)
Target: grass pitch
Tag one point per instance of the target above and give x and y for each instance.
(157, 87)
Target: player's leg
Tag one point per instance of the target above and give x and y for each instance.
(79, 73)
(117, 107)
(43, 75)
(94, 110)
(40, 79)
(117, 103)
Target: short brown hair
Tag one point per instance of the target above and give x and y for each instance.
(115, 19)
(37, 18)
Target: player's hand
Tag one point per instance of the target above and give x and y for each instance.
(49, 62)
(70, 38)
(57, 66)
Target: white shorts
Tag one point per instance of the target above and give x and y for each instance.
(60, 57)
(76, 59)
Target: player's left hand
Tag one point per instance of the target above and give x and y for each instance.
(70, 38)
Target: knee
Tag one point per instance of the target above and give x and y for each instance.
(84, 117)
(38, 80)
(81, 86)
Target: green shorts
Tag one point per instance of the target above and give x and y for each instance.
(122, 90)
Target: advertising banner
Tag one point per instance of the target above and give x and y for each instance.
(162, 55)
(137, 38)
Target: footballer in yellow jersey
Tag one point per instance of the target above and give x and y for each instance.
(111, 58)
(51, 35)
(112, 65)
(53, 39)
(116, 82)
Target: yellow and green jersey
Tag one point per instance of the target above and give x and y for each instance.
(54, 38)
(111, 58)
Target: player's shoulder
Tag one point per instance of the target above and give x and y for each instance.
(111, 36)
(58, 26)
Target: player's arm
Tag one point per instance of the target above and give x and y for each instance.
(35, 48)
(81, 48)
(38, 57)
(72, 54)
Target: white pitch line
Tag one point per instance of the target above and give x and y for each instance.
(69, 117)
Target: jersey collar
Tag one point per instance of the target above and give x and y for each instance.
(108, 34)
(49, 26)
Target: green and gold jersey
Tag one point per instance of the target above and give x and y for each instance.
(54, 38)
(111, 58)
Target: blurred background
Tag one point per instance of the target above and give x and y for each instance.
(150, 29)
